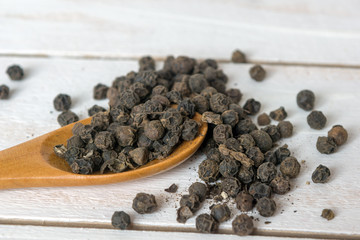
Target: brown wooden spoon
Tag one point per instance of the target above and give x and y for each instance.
(34, 163)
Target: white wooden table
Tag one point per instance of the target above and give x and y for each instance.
(70, 46)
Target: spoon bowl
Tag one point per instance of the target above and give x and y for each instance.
(34, 163)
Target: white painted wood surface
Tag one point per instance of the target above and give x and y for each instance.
(28, 112)
(321, 32)
(60, 233)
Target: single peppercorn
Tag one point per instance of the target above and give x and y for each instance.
(192, 201)
(328, 214)
(282, 153)
(244, 201)
(257, 73)
(100, 91)
(263, 119)
(190, 129)
(305, 99)
(255, 154)
(201, 103)
(219, 103)
(197, 83)
(120, 220)
(244, 126)
(280, 185)
(243, 225)
(262, 140)
(266, 172)
(231, 186)
(266, 207)
(246, 141)
(228, 167)
(246, 175)
(234, 145)
(220, 212)
(238, 57)
(66, 118)
(144, 203)
(95, 109)
(290, 167)
(316, 120)
(259, 190)
(279, 114)
(205, 223)
(339, 134)
(252, 106)
(154, 130)
(15, 72)
(285, 128)
(172, 189)
(62, 102)
(222, 132)
(273, 132)
(208, 170)
(326, 145)
(183, 214)
(230, 117)
(321, 174)
(234, 94)
(4, 92)
(199, 189)
(146, 63)
(212, 118)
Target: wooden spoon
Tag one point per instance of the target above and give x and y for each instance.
(34, 163)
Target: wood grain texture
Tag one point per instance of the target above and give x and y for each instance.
(29, 112)
(321, 32)
(56, 233)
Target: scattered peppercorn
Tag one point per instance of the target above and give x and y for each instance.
(252, 106)
(205, 223)
(100, 91)
(339, 134)
(321, 174)
(62, 102)
(257, 73)
(66, 118)
(15, 72)
(279, 114)
(290, 167)
(172, 189)
(326, 145)
(259, 190)
(328, 214)
(305, 99)
(243, 225)
(234, 94)
(280, 185)
(199, 189)
(285, 129)
(144, 203)
(4, 92)
(263, 119)
(244, 201)
(220, 212)
(266, 207)
(120, 220)
(238, 57)
(316, 120)
(190, 200)
(95, 109)
(231, 186)
(183, 214)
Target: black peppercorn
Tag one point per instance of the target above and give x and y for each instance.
(279, 114)
(285, 129)
(257, 73)
(244, 201)
(238, 57)
(243, 225)
(15, 72)
(263, 119)
(66, 118)
(208, 170)
(266, 207)
(206, 223)
(144, 203)
(199, 189)
(326, 145)
(321, 174)
(120, 220)
(339, 134)
(305, 99)
(252, 106)
(290, 167)
(4, 92)
(62, 102)
(220, 212)
(316, 120)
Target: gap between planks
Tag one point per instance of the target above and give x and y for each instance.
(140, 227)
(161, 58)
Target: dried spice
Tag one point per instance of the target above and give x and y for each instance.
(201, 103)
(270, 156)
(192, 201)
(246, 174)
(252, 106)
(238, 57)
(305, 99)
(328, 214)
(222, 132)
(197, 83)
(266, 207)
(190, 129)
(285, 129)
(280, 185)
(326, 145)
(244, 126)
(120, 220)
(183, 214)
(220, 212)
(66, 118)
(316, 120)
(234, 94)
(219, 103)
(229, 167)
(338, 133)
(273, 132)
(4, 91)
(257, 73)
(259, 190)
(266, 172)
(199, 189)
(243, 225)
(231, 186)
(62, 102)
(144, 203)
(154, 130)
(100, 91)
(321, 174)
(15, 72)
(262, 140)
(290, 167)
(263, 119)
(279, 114)
(234, 145)
(95, 109)
(208, 170)
(172, 189)
(211, 118)
(146, 63)
(255, 154)
(230, 117)
(244, 202)
(282, 153)
(205, 223)
(246, 141)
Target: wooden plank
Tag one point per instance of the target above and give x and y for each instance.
(28, 112)
(300, 32)
(54, 233)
